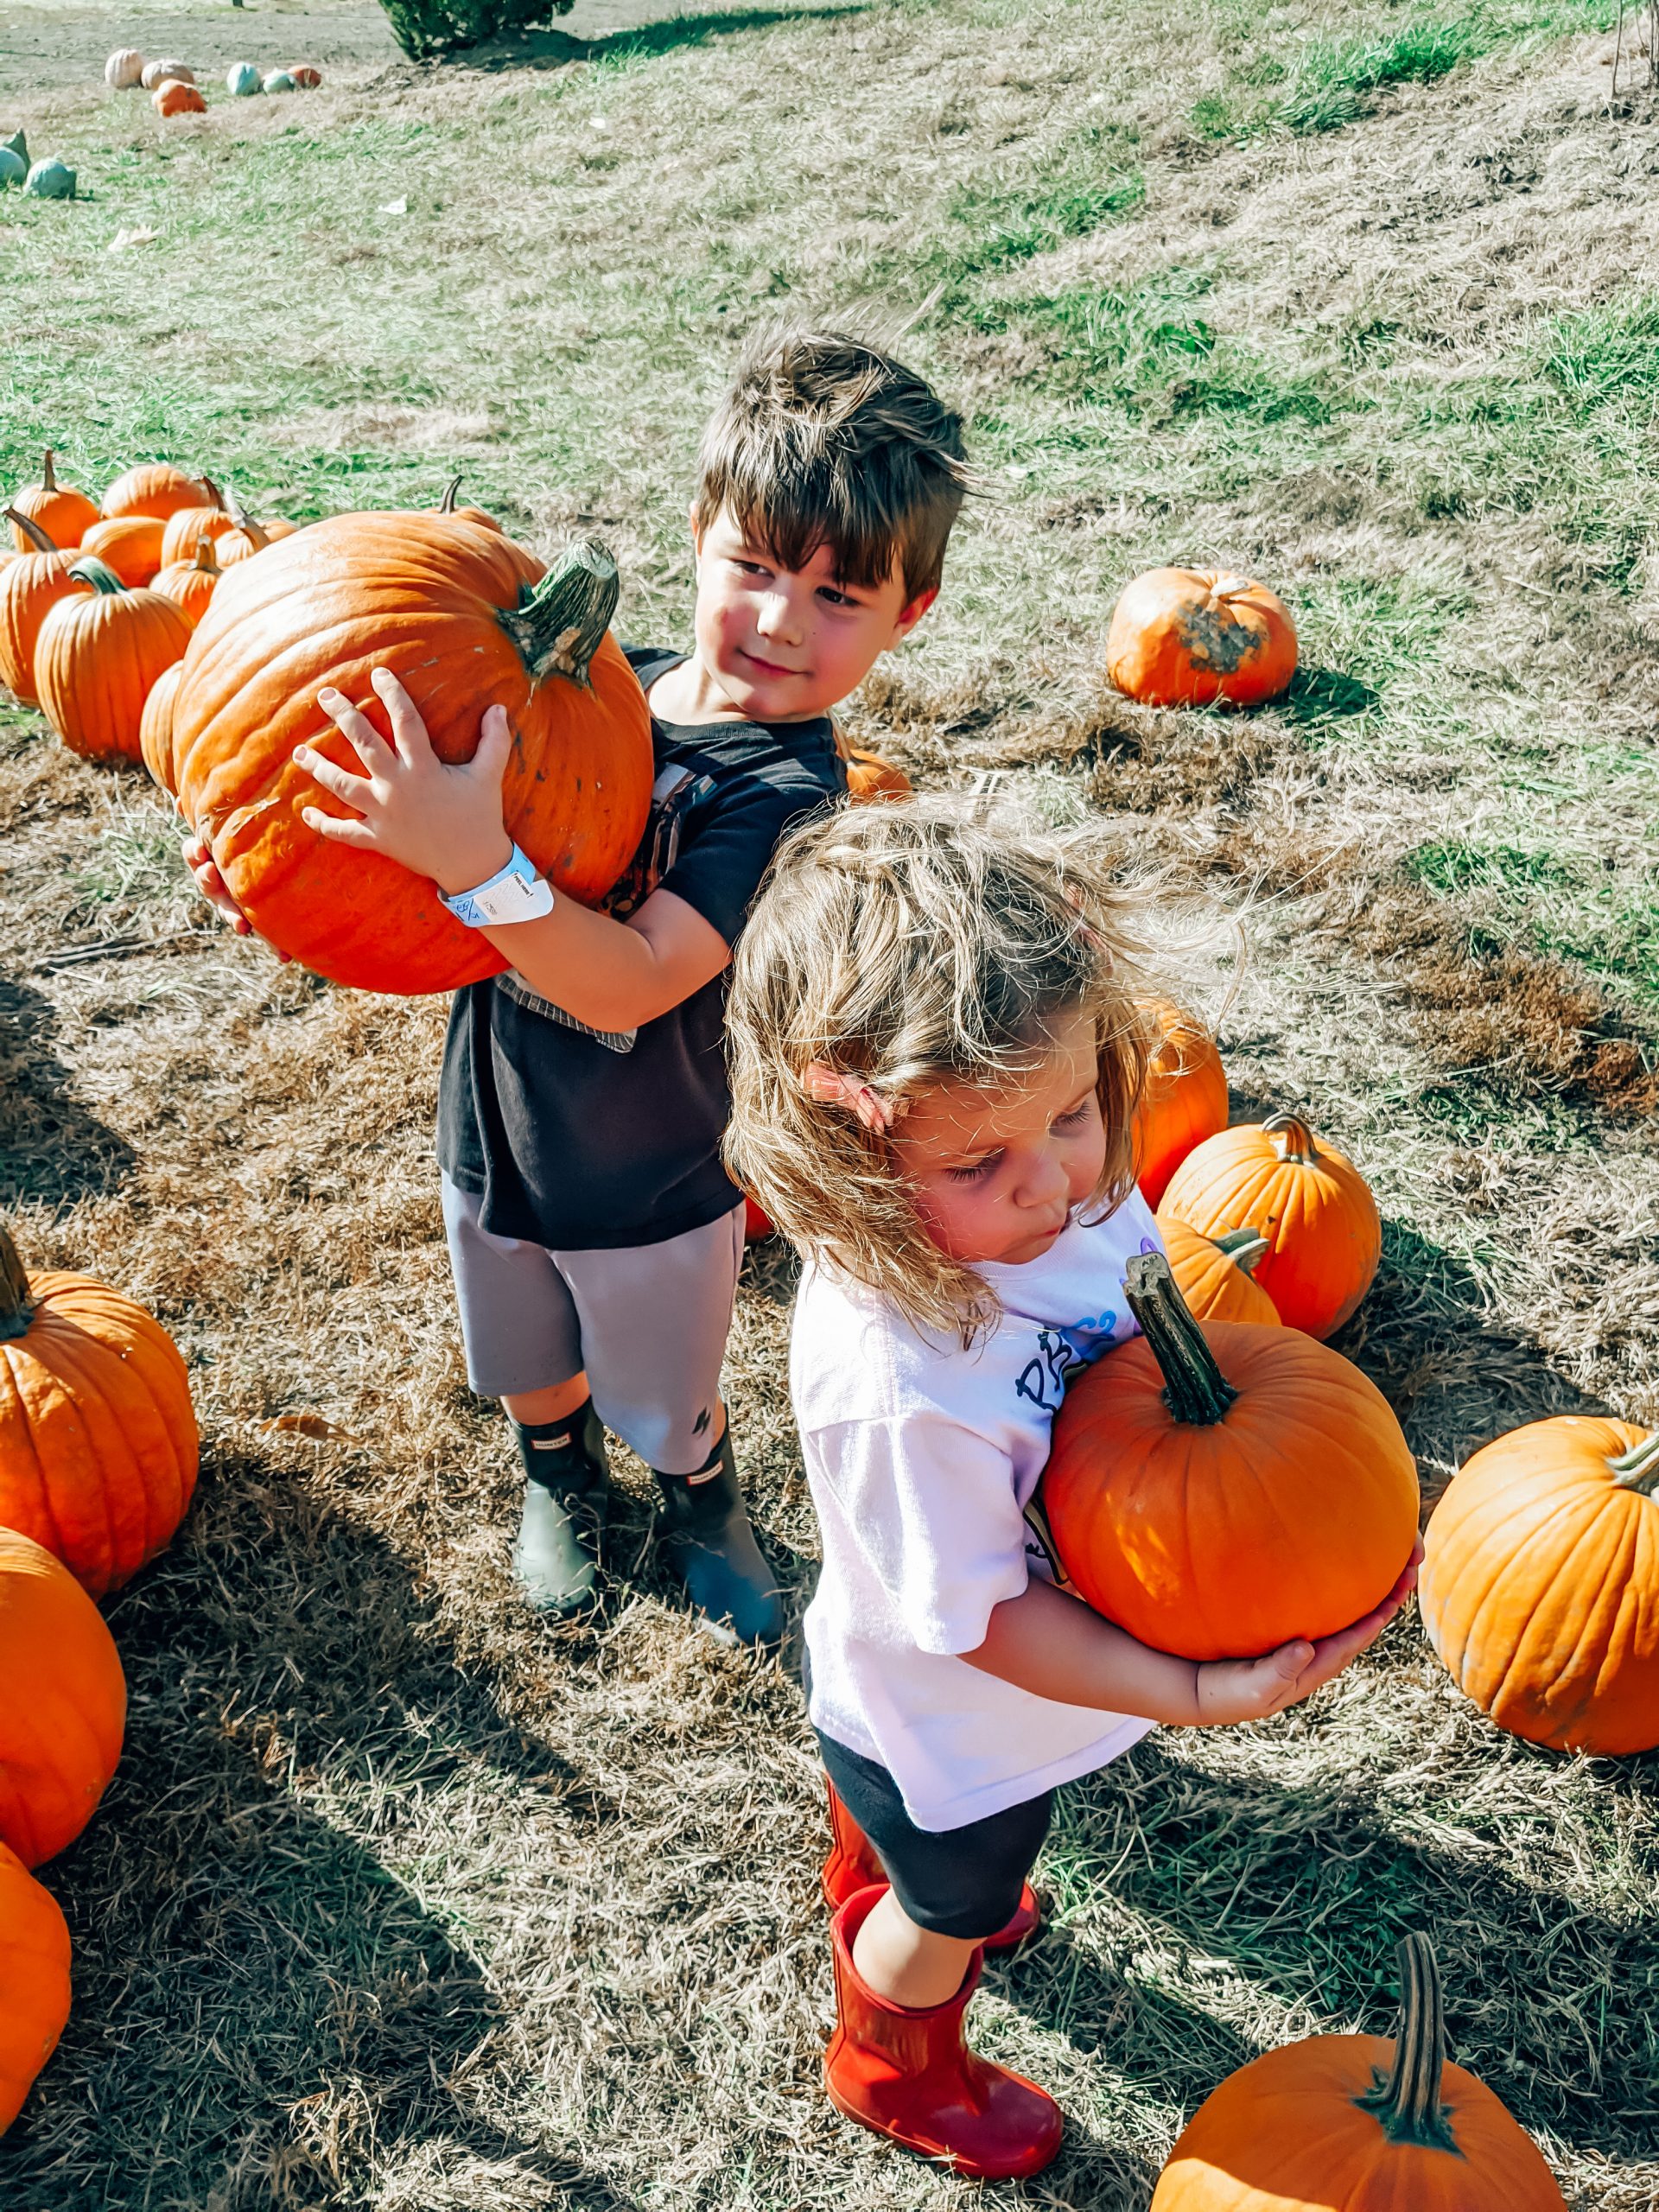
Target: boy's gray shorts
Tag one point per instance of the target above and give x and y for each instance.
(649, 1324)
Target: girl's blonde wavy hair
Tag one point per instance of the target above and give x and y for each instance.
(905, 945)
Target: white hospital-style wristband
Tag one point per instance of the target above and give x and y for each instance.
(513, 893)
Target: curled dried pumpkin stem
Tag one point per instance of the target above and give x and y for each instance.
(1243, 1246)
(560, 623)
(32, 531)
(448, 503)
(1407, 2099)
(1195, 1390)
(16, 1311)
(98, 574)
(1299, 1138)
(1638, 1468)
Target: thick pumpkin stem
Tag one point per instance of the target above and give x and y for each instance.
(98, 574)
(32, 531)
(1195, 1390)
(1638, 1468)
(1407, 2101)
(16, 1311)
(1299, 1138)
(560, 624)
(205, 560)
(1243, 1246)
(244, 521)
(215, 497)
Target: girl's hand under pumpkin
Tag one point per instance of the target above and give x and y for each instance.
(1230, 1690)
(439, 822)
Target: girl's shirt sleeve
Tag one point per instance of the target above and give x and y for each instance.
(930, 1505)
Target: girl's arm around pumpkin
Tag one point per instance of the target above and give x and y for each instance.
(1048, 1643)
(446, 823)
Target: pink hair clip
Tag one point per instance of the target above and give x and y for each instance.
(829, 1088)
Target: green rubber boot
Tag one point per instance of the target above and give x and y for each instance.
(567, 1500)
(703, 1532)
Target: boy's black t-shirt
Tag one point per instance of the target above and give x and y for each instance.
(580, 1142)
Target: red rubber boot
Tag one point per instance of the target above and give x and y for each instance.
(910, 2075)
(852, 1865)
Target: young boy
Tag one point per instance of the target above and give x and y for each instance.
(594, 1236)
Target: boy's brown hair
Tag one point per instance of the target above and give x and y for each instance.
(824, 439)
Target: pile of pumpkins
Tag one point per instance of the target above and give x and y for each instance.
(172, 85)
(98, 1463)
(45, 180)
(1263, 1489)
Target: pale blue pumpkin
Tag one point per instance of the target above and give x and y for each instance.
(13, 168)
(244, 79)
(279, 81)
(51, 180)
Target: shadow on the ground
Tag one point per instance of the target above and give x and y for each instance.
(555, 49)
(51, 1150)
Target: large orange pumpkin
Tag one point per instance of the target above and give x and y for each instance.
(1540, 1585)
(1190, 637)
(1309, 1200)
(131, 544)
(33, 1981)
(1359, 2124)
(448, 607)
(97, 1435)
(96, 657)
(154, 487)
(189, 583)
(61, 512)
(188, 528)
(1219, 1489)
(155, 729)
(30, 587)
(1183, 1101)
(66, 1704)
(1213, 1274)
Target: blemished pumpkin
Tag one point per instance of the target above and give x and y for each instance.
(62, 512)
(65, 1709)
(449, 505)
(1196, 636)
(97, 1436)
(1324, 1236)
(1183, 1101)
(95, 658)
(33, 1981)
(448, 609)
(30, 587)
(1540, 1585)
(123, 69)
(189, 582)
(155, 729)
(306, 75)
(131, 544)
(173, 98)
(1359, 2124)
(156, 488)
(1219, 1489)
(1213, 1274)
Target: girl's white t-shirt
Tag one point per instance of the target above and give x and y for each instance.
(922, 1457)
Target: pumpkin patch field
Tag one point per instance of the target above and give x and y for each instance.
(397, 1900)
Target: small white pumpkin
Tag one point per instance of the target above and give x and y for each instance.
(157, 73)
(243, 78)
(51, 180)
(123, 69)
(279, 81)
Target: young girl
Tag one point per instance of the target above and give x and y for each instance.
(936, 1055)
